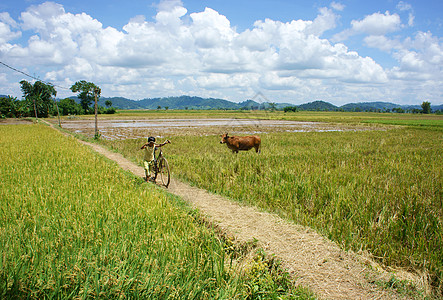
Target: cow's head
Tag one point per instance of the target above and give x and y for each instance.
(224, 138)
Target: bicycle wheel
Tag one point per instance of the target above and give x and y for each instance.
(164, 171)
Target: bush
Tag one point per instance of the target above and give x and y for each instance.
(110, 111)
(290, 108)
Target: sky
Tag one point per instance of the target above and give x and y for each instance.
(283, 51)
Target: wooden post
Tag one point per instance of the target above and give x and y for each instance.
(58, 114)
(35, 109)
(96, 110)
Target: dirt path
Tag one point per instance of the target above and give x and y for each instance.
(311, 259)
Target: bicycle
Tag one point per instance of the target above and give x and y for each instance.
(161, 166)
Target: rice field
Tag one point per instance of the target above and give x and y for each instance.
(74, 225)
(376, 191)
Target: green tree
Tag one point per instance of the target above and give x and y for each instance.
(9, 107)
(68, 106)
(86, 93)
(426, 107)
(272, 106)
(290, 108)
(108, 103)
(38, 97)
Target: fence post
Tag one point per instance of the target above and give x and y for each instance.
(96, 108)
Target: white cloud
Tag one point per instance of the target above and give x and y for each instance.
(325, 21)
(406, 7)
(375, 24)
(337, 6)
(171, 18)
(169, 5)
(421, 54)
(210, 29)
(382, 42)
(39, 18)
(6, 19)
(6, 34)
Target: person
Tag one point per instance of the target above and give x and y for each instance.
(149, 156)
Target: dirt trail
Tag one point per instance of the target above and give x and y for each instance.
(311, 259)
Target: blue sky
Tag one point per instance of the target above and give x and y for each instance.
(290, 51)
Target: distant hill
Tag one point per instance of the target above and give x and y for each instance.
(251, 104)
(187, 102)
(121, 103)
(318, 105)
(376, 106)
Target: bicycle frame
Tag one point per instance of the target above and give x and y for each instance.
(159, 168)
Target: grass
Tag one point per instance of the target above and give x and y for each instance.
(433, 124)
(74, 225)
(379, 191)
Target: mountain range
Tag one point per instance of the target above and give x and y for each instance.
(192, 102)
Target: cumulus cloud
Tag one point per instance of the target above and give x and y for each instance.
(375, 24)
(201, 53)
(7, 24)
(325, 21)
(421, 54)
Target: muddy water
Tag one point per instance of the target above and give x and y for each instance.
(122, 129)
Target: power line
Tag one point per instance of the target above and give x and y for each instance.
(33, 77)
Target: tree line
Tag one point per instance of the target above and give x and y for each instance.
(39, 101)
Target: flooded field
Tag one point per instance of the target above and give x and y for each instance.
(137, 128)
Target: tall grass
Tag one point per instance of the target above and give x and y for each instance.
(74, 225)
(379, 191)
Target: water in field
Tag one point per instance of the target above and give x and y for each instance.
(122, 129)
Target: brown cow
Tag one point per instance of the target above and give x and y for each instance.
(241, 143)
